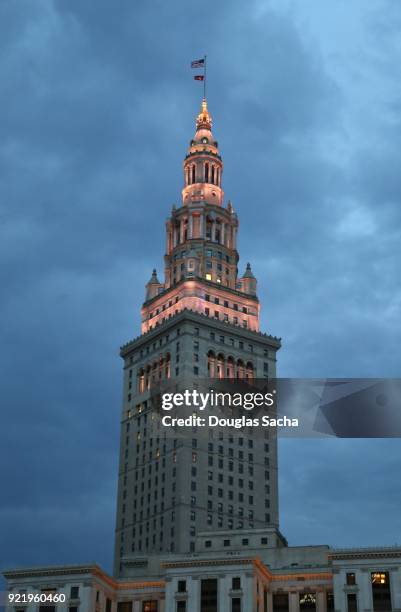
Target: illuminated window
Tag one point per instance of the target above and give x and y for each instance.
(209, 277)
(149, 606)
(379, 578)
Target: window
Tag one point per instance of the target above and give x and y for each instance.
(381, 594)
(74, 592)
(182, 586)
(245, 541)
(350, 578)
(124, 606)
(236, 604)
(226, 542)
(181, 606)
(208, 598)
(351, 602)
(307, 601)
(280, 602)
(149, 606)
(236, 583)
(263, 540)
(208, 543)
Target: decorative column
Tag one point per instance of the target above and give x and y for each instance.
(223, 594)
(222, 232)
(248, 594)
(364, 583)
(202, 225)
(181, 231)
(321, 601)
(214, 230)
(193, 590)
(293, 602)
(136, 607)
(190, 226)
(395, 587)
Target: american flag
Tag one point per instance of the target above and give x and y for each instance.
(198, 63)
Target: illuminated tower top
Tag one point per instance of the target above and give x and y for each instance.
(203, 166)
(201, 246)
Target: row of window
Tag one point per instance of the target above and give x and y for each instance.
(225, 318)
(231, 341)
(244, 542)
(209, 253)
(211, 173)
(225, 303)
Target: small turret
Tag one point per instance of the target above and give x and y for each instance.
(248, 281)
(153, 286)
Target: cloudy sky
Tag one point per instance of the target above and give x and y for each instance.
(97, 108)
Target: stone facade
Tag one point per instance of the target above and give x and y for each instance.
(227, 578)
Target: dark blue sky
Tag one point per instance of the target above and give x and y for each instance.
(97, 108)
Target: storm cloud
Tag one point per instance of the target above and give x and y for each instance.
(98, 107)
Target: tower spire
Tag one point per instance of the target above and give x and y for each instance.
(204, 119)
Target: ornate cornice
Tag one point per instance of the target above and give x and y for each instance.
(365, 553)
(186, 313)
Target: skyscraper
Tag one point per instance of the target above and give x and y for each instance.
(201, 322)
(197, 515)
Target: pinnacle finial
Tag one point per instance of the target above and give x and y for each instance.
(204, 119)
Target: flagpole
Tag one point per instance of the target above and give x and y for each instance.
(204, 79)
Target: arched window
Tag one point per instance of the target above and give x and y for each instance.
(230, 370)
(211, 364)
(167, 366)
(217, 232)
(161, 367)
(218, 177)
(187, 175)
(249, 371)
(147, 377)
(206, 172)
(209, 224)
(220, 365)
(213, 174)
(240, 369)
(193, 173)
(141, 380)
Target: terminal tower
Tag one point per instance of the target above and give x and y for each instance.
(201, 321)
